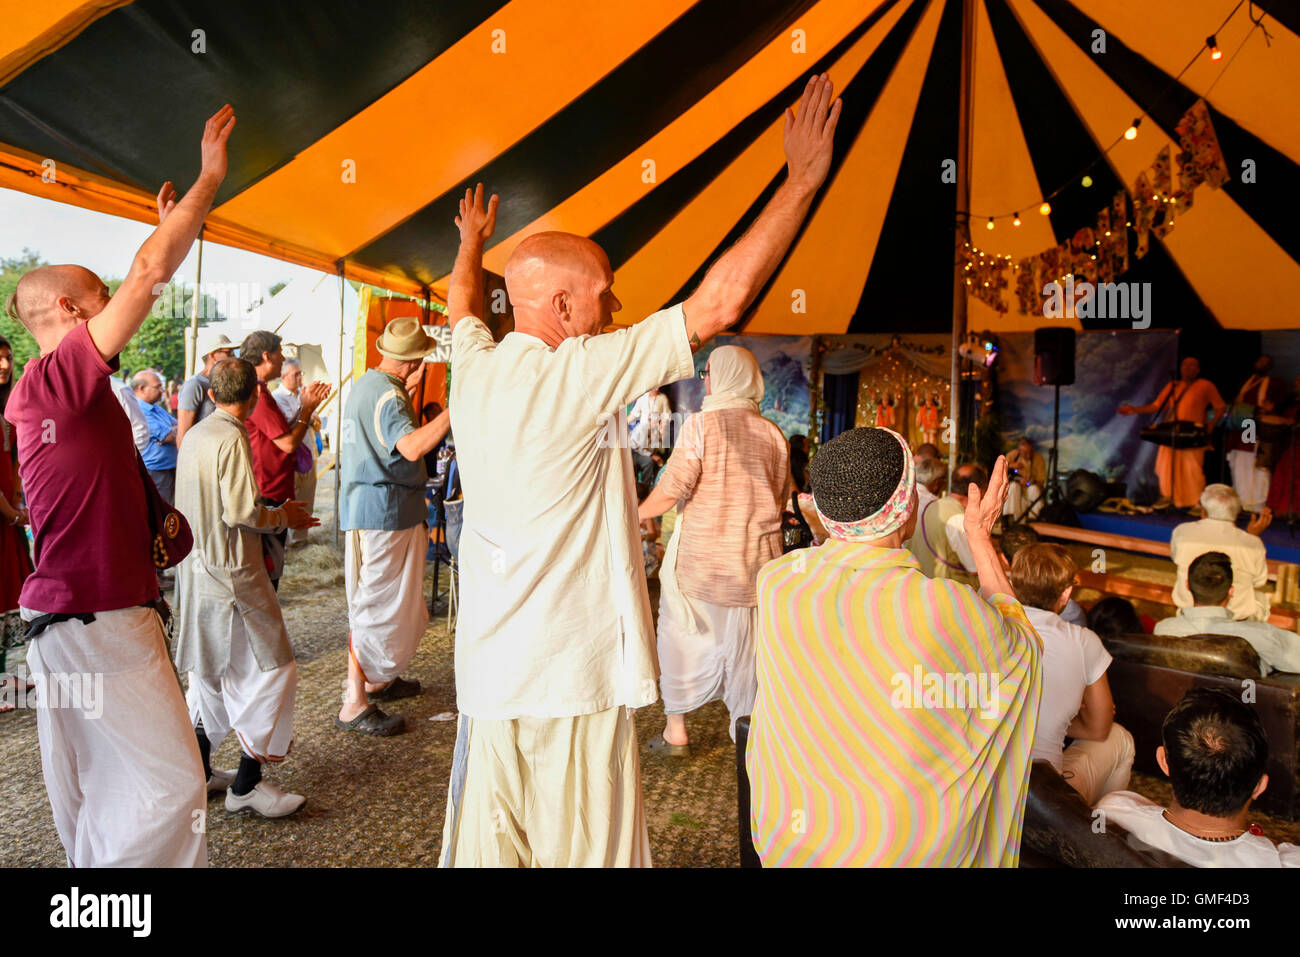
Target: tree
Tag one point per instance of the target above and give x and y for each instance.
(160, 343)
(11, 270)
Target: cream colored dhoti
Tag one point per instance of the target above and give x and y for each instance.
(384, 580)
(546, 792)
(257, 705)
(122, 766)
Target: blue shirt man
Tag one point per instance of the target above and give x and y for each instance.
(160, 454)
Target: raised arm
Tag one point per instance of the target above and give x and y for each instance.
(729, 287)
(982, 513)
(476, 224)
(166, 248)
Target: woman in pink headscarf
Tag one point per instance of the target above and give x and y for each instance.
(731, 473)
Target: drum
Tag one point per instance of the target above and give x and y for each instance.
(1176, 434)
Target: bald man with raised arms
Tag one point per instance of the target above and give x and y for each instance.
(555, 641)
(122, 772)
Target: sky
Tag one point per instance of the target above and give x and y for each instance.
(106, 244)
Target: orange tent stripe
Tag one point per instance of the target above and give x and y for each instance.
(478, 102)
(33, 30)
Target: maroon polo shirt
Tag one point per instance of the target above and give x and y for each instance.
(273, 468)
(89, 518)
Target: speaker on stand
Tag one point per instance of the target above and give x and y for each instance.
(1054, 366)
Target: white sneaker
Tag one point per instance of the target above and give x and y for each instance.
(220, 780)
(266, 799)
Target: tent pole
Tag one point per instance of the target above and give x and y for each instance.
(192, 347)
(338, 416)
(963, 208)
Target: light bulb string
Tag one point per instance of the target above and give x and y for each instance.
(1257, 24)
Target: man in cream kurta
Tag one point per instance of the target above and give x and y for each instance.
(555, 644)
(232, 640)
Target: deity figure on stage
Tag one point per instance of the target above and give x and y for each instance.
(927, 420)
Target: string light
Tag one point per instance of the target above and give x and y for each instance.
(1215, 52)
(1086, 181)
(1045, 208)
(1016, 221)
(1132, 132)
(990, 224)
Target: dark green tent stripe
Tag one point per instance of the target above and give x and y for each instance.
(631, 229)
(859, 95)
(643, 95)
(1059, 144)
(1150, 87)
(128, 98)
(909, 285)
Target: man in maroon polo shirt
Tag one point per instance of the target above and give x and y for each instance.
(121, 763)
(273, 438)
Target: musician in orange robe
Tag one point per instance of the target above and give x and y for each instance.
(1181, 472)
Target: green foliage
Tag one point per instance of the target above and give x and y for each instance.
(11, 270)
(160, 343)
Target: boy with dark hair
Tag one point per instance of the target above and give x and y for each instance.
(1209, 579)
(1214, 752)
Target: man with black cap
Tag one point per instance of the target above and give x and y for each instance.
(382, 512)
(895, 712)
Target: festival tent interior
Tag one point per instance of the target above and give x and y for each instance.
(987, 149)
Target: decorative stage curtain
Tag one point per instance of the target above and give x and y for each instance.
(841, 395)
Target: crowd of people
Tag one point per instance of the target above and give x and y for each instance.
(901, 672)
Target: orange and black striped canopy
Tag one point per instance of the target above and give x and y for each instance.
(655, 128)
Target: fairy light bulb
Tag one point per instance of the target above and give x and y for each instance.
(1016, 221)
(1132, 132)
(990, 223)
(1045, 209)
(1087, 181)
(1213, 44)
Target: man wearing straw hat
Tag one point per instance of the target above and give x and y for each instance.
(382, 511)
(194, 404)
(555, 642)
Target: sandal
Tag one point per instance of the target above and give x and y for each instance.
(375, 722)
(395, 689)
(657, 745)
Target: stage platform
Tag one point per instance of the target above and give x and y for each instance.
(1279, 545)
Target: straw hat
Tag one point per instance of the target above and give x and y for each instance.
(210, 341)
(405, 340)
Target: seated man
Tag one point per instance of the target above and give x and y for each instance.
(1214, 752)
(1028, 478)
(1016, 537)
(1076, 699)
(895, 713)
(1210, 582)
(940, 544)
(1218, 532)
(930, 476)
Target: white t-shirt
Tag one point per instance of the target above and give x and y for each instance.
(1145, 820)
(1191, 540)
(126, 398)
(1073, 658)
(555, 616)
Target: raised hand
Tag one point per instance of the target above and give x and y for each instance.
(810, 133)
(297, 515)
(213, 148)
(983, 510)
(166, 200)
(475, 221)
(1260, 522)
(313, 395)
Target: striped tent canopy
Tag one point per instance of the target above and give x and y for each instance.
(655, 128)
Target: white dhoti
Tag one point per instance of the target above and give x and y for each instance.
(304, 490)
(122, 770)
(706, 651)
(257, 705)
(1019, 497)
(1251, 483)
(546, 792)
(384, 579)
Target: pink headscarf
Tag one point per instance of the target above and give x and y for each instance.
(891, 516)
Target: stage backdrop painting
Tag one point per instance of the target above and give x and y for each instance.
(785, 361)
(903, 383)
(1110, 368)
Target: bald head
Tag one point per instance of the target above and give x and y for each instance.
(559, 285)
(50, 300)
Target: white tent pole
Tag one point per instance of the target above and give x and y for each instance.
(192, 346)
(338, 417)
(963, 208)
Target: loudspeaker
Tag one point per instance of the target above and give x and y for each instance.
(1054, 355)
(1084, 490)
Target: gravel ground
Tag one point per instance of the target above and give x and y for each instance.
(381, 802)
